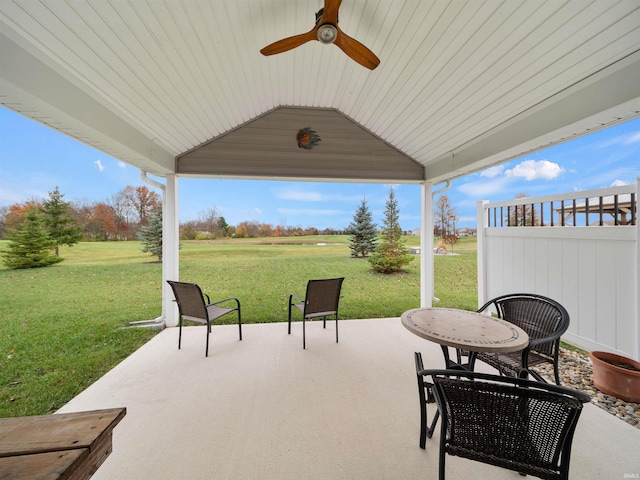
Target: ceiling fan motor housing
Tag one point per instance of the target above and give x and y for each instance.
(327, 33)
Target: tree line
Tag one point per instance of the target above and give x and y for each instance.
(210, 225)
(118, 218)
(38, 228)
(123, 215)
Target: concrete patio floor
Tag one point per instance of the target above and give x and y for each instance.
(264, 408)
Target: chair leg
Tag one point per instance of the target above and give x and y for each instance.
(443, 450)
(289, 316)
(556, 373)
(239, 322)
(441, 462)
(304, 344)
(422, 397)
(180, 333)
(206, 352)
(423, 422)
(336, 328)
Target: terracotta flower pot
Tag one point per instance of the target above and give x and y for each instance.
(614, 380)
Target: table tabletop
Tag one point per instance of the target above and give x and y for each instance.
(69, 446)
(465, 330)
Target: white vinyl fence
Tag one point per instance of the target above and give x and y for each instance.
(580, 249)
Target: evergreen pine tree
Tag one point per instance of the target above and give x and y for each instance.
(151, 236)
(362, 231)
(223, 226)
(61, 227)
(30, 245)
(391, 255)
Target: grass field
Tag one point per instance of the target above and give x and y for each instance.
(64, 326)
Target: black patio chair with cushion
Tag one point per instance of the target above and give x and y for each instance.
(544, 320)
(192, 307)
(510, 422)
(321, 301)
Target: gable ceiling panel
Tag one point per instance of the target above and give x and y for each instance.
(268, 146)
(451, 72)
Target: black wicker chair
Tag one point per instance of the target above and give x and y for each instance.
(321, 301)
(544, 320)
(514, 423)
(192, 307)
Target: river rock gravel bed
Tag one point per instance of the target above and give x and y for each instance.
(576, 372)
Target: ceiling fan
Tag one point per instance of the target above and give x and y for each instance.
(327, 31)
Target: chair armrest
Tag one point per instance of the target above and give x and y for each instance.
(549, 338)
(485, 306)
(225, 300)
(292, 296)
(521, 382)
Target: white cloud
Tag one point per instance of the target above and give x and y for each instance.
(122, 164)
(99, 165)
(299, 195)
(492, 171)
(252, 213)
(312, 196)
(618, 183)
(535, 169)
(624, 139)
(485, 188)
(309, 211)
(635, 138)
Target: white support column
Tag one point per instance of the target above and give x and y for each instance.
(481, 222)
(426, 246)
(170, 249)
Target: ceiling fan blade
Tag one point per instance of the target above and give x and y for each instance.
(289, 43)
(330, 12)
(357, 51)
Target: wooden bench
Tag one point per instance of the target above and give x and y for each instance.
(69, 446)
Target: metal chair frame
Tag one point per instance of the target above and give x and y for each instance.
(321, 301)
(192, 307)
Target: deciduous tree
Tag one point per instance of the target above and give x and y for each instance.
(143, 202)
(523, 215)
(104, 216)
(445, 216)
(123, 214)
(15, 214)
(208, 222)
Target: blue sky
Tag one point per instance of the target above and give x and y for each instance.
(34, 159)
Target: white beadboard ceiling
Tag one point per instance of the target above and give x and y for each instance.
(462, 85)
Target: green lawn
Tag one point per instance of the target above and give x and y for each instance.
(64, 326)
